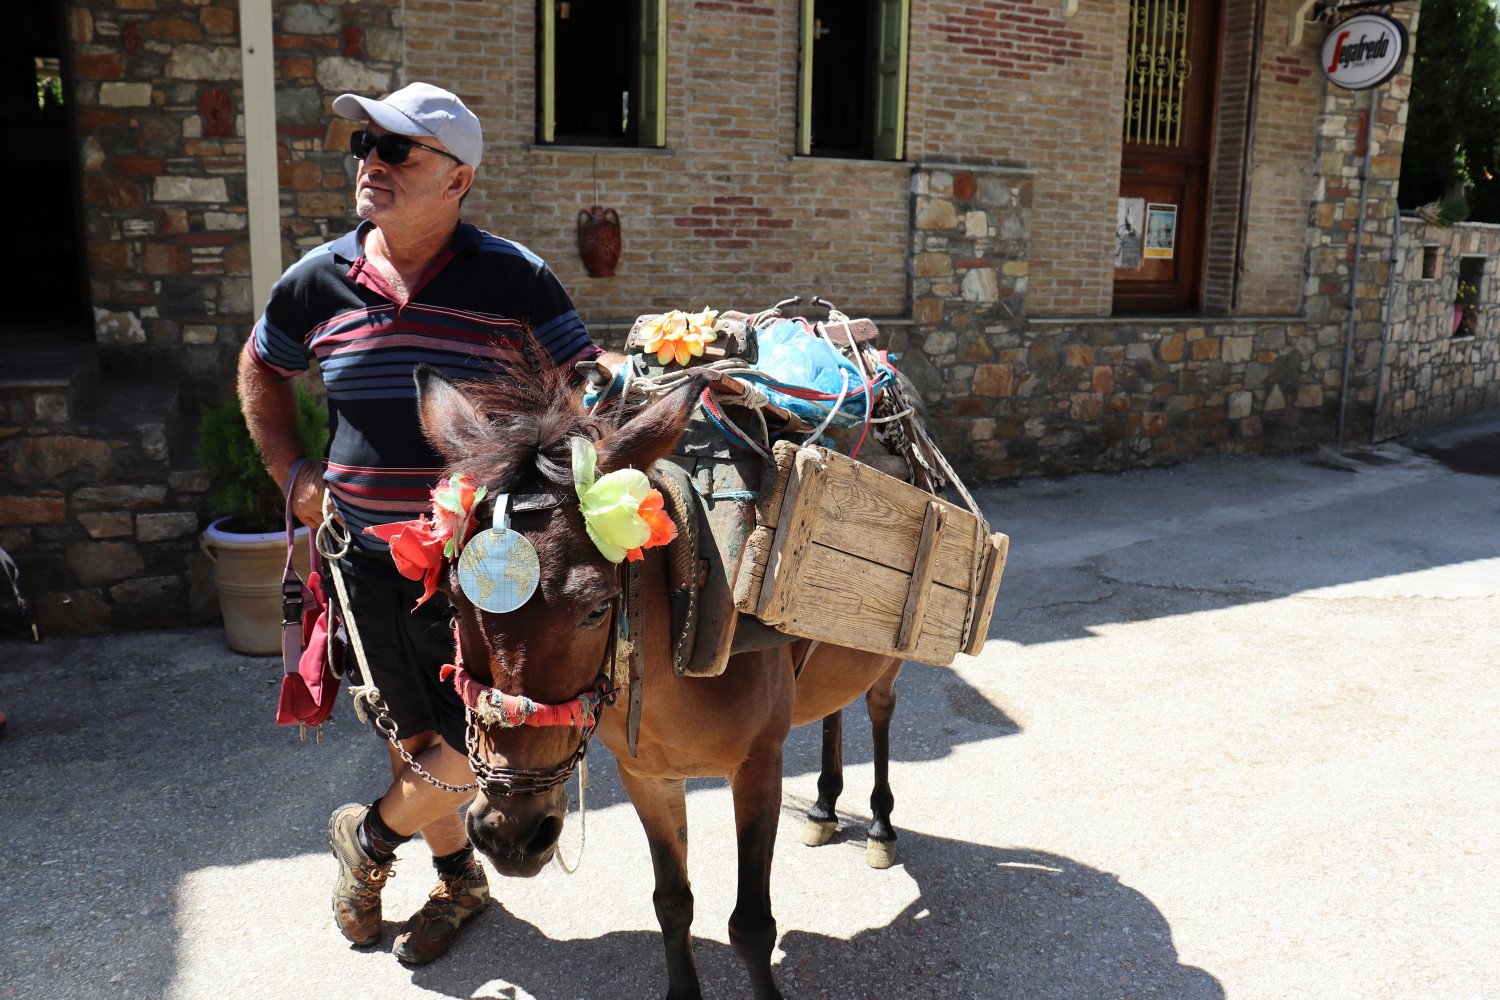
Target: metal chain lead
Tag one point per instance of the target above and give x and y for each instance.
(333, 543)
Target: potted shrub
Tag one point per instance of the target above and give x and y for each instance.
(247, 542)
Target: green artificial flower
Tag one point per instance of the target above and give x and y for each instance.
(610, 504)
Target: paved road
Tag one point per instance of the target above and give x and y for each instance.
(1236, 734)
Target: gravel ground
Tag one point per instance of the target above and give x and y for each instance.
(1236, 733)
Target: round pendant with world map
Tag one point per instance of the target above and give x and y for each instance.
(499, 570)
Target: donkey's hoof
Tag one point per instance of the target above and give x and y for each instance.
(880, 853)
(817, 832)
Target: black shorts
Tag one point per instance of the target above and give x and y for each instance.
(405, 650)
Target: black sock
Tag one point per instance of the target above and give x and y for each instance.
(378, 840)
(455, 864)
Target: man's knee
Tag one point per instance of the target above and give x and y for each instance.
(414, 745)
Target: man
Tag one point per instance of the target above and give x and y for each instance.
(410, 284)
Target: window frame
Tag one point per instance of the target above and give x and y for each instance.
(651, 77)
(889, 116)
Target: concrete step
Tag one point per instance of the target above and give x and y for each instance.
(138, 416)
(43, 380)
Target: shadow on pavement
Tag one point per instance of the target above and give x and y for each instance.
(136, 759)
(989, 924)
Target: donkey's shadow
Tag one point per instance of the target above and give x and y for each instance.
(990, 923)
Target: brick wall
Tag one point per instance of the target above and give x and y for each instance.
(991, 82)
(725, 217)
(1283, 177)
(730, 215)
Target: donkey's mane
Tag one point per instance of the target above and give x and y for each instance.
(532, 415)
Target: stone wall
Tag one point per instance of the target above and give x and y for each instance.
(101, 499)
(101, 521)
(160, 113)
(1012, 395)
(323, 50)
(1434, 372)
(160, 123)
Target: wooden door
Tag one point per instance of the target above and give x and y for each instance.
(1170, 89)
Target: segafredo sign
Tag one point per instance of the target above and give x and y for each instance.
(1364, 51)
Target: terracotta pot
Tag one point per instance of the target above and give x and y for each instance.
(247, 575)
(599, 240)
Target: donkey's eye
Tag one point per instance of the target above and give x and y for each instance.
(596, 617)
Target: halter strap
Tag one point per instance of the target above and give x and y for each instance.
(507, 711)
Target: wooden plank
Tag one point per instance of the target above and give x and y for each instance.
(768, 507)
(988, 590)
(861, 504)
(850, 602)
(753, 569)
(800, 512)
(921, 580)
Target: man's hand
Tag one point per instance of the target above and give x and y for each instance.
(307, 495)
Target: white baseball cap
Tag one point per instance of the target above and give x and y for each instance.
(420, 109)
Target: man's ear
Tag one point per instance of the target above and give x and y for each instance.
(449, 419)
(461, 180)
(652, 433)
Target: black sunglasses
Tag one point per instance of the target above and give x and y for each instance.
(393, 148)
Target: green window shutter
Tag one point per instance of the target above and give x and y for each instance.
(804, 81)
(546, 71)
(652, 82)
(890, 79)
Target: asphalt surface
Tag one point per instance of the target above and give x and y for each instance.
(1236, 733)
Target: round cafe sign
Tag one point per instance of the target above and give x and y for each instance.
(1364, 51)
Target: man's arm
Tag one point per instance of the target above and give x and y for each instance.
(270, 408)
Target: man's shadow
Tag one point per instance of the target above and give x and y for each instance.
(991, 923)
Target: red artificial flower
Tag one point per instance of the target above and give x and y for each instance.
(416, 549)
(658, 520)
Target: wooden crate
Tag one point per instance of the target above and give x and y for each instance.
(846, 554)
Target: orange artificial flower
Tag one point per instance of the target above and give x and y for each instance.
(679, 336)
(658, 520)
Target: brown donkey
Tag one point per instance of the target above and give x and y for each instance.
(514, 438)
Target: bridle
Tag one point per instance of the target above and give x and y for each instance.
(486, 706)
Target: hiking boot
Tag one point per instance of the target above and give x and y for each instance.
(431, 930)
(356, 894)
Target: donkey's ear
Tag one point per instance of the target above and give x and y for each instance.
(449, 419)
(653, 432)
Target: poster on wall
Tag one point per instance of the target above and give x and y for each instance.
(1161, 231)
(1128, 228)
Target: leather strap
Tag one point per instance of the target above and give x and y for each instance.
(635, 614)
(292, 595)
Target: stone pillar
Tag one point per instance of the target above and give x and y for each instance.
(1331, 238)
(969, 265)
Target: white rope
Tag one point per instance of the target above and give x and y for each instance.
(583, 822)
(333, 542)
(834, 410)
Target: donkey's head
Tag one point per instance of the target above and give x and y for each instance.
(514, 437)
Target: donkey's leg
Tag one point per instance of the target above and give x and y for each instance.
(880, 839)
(822, 819)
(756, 785)
(662, 807)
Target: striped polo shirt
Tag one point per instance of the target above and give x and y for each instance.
(468, 317)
